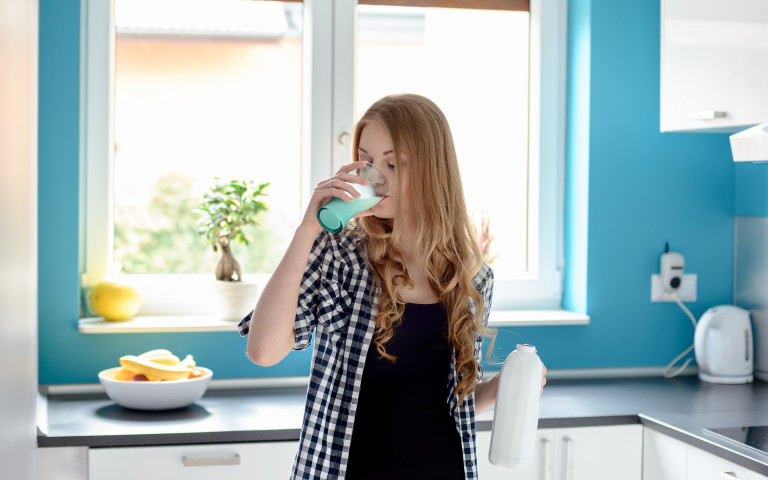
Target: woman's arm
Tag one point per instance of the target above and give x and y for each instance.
(271, 336)
(270, 333)
(485, 392)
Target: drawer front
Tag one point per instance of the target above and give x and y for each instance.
(705, 466)
(262, 461)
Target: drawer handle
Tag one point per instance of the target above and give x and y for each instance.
(569, 452)
(728, 475)
(210, 461)
(707, 115)
(545, 468)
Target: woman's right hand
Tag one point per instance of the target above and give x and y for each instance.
(336, 186)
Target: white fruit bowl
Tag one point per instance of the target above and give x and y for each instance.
(160, 395)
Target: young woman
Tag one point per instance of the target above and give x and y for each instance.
(398, 303)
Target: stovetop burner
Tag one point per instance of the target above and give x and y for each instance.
(755, 437)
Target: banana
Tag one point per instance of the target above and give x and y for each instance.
(153, 353)
(157, 370)
(188, 362)
(163, 359)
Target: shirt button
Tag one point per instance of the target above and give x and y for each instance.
(347, 436)
(467, 436)
(469, 464)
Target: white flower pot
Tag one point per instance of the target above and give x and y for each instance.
(234, 300)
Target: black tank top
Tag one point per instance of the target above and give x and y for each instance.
(403, 426)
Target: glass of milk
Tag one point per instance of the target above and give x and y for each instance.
(334, 215)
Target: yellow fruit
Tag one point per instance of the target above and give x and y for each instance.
(152, 353)
(164, 359)
(152, 369)
(189, 362)
(124, 374)
(162, 356)
(114, 302)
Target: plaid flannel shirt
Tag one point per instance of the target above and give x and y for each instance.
(335, 302)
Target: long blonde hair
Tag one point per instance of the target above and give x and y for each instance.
(444, 241)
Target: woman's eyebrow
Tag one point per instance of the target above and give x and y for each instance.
(388, 152)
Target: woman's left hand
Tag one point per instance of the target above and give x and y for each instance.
(543, 378)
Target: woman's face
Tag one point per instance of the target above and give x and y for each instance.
(376, 147)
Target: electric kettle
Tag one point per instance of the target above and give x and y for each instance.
(723, 345)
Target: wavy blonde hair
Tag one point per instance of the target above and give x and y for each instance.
(445, 244)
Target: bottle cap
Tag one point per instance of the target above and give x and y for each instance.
(525, 348)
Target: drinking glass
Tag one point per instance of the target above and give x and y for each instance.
(334, 215)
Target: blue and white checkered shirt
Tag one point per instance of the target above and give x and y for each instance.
(335, 301)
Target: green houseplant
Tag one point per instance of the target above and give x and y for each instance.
(226, 208)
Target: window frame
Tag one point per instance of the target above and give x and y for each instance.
(329, 60)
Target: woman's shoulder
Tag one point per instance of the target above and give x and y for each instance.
(346, 245)
(483, 279)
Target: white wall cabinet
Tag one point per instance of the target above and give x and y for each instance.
(236, 461)
(714, 64)
(586, 453)
(666, 458)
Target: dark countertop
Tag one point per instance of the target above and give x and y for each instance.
(681, 407)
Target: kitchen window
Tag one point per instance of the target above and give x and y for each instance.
(178, 92)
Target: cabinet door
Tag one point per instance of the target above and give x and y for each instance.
(714, 64)
(705, 466)
(585, 453)
(265, 461)
(595, 453)
(539, 469)
(664, 458)
(62, 463)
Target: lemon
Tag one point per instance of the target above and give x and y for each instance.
(113, 301)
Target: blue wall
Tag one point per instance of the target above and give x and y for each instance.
(644, 188)
(629, 189)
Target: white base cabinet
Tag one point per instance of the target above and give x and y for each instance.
(62, 463)
(585, 453)
(666, 458)
(235, 461)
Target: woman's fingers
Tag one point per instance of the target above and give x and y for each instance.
(341, 183)
(345, 172)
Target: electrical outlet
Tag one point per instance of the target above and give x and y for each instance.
(686, 292)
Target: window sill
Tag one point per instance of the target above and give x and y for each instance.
(157, 324)
(531, 318)
(201, 323)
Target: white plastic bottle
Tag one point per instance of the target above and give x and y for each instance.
(516, 415)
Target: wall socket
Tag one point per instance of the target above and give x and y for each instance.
(686, 292)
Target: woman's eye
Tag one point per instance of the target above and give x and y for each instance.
(391, 166)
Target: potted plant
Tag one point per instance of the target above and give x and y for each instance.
(484, 238)
(226, 208)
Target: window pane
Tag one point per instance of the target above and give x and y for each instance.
(204, 89)
(474, 65)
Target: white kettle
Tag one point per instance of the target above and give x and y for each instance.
(723, 345)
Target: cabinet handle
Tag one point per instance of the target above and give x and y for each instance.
(707, 115)
(728, 475)
(569, 451)
(545, 467)
(210, 461)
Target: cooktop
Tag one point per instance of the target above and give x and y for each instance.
(754, 437)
